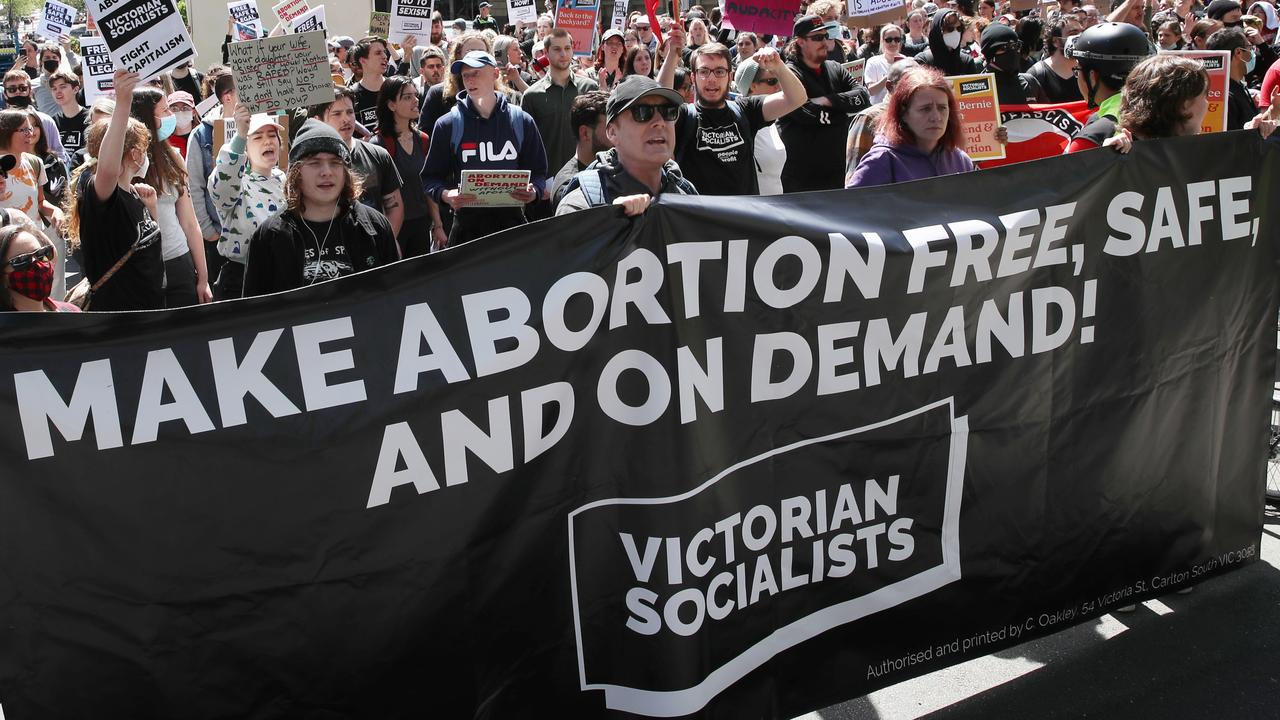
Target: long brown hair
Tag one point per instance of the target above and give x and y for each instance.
(167, 172)
(136, 137)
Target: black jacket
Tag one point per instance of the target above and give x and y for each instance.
(276, 250)
(815, 135)
(950, 62)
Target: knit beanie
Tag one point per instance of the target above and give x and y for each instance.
(316, 137)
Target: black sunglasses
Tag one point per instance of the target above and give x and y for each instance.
(21, 262)
(644, 113)
(893, 40)
(771, 82)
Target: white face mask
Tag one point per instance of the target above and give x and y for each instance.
(146, 165)
(184, 119)
(952, 39)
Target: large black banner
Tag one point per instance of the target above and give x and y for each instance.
(736, 458)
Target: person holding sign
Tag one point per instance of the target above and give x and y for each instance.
(111, 216)
(920, 135)
(247, 187)
(324, 232)
(482, 132)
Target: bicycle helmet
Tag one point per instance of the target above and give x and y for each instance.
(1110, 49)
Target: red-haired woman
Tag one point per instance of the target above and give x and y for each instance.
(919, 135)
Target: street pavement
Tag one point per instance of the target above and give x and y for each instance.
(1212, 653)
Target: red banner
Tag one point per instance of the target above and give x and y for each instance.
(1037, 131)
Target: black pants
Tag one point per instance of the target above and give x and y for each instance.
(415, 236)
(180, 282)
(230, 282)
(472, 223)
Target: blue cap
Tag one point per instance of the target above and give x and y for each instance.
(475, 59)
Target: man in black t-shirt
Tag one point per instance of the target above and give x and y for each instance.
(715, 136)
(71, 118)
(372, 57)
(380, 181)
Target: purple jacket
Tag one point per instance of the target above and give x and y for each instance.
(885, 164)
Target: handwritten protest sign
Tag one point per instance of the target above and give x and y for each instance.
(290, 10)
(379, 23)
(979, 115)
(493, 188)
(770, 17)
(410, 17)
(869, 13)
(579, 18)
(310, 21)
(56, 20)
(98, 68)
(144, 36)
(1218, 64)
(245, 12)
(278, 73)
(522, 11)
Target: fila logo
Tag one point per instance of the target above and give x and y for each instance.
(487, 153)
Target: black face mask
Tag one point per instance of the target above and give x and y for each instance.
(50, 65)
(18, 101)
(1007, 63)
(1237, 23)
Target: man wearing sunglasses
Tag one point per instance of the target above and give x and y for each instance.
(815, 133)
(640, 120)
(715, 136)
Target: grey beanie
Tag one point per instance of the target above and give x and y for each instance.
(316, 137)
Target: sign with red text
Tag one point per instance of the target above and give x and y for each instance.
(493, 187)
(579, 18)
(290, 10)
(1218, 64)
(979, 115)
(764, 17)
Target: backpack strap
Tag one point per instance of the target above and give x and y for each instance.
(518, 119)
(455, 130)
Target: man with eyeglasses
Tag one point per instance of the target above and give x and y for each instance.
(640, 120)
(17, 94)
(815, 133)
(715, 136)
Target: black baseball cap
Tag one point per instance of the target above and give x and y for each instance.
(634, 88)
(806, 24)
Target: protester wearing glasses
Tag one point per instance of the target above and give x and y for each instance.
(111, 216)
(1055, 71)
(27, 263)
(815, 133)
(491, 134)
(640, 120)
(26, 181)
(920, 135)
(17, 95)
(944, 51)
(324, 232)
(715, 135)
(877, 70)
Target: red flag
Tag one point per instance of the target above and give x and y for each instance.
(1037, 131)
(651, 6)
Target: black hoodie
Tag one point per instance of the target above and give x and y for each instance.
(950, 62)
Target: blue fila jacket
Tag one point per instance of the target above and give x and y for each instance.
(462, 140)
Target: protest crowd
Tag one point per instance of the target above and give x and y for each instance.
(478, 128)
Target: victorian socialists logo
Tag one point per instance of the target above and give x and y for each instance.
(676, 598)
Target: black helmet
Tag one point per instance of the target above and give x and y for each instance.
(1110, 49)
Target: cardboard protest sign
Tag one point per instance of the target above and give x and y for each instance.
(493, 188)
(763, 17)
(979, 114)
(619, 21)
(290, 10)
(98, 68)
(522, 11)
(379, 24)
(870, 13)
(144, 36)
(857, 69)
(281, 73)
(410, 17)
(579, 18)
(245, 12)
(310, 21)
(1218, 64)
(56, 20)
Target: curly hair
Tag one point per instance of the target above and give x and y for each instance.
(293, 200)
(1155, 97)
(136, 137)
(893, 125)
